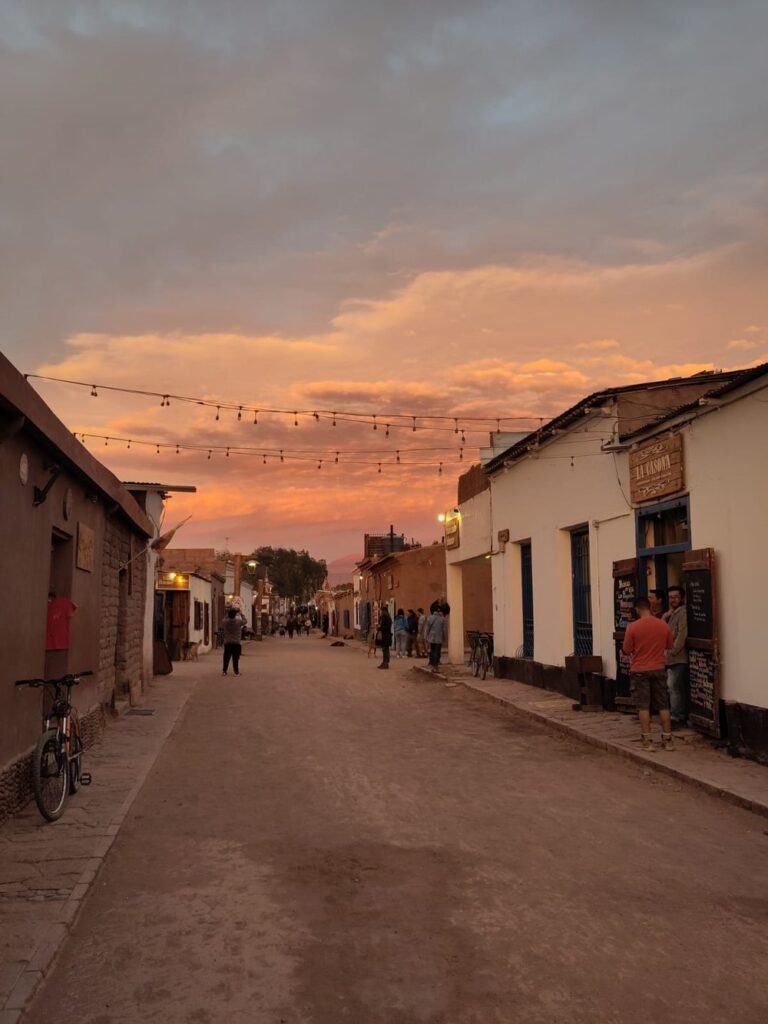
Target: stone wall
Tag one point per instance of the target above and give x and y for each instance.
(123, 593)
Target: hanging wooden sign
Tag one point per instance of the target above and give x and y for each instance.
(656, 469)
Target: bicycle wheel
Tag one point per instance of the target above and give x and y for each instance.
(50, 775)
(484, 662)
(476, 661)
(75, 762)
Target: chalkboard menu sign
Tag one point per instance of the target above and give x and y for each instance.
(625, 583)
(698, 597)
(701, 677)
(703, 659)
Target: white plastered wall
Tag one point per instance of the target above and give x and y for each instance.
(540, 500)
(726, 472)
(199, 590)
(474, 542)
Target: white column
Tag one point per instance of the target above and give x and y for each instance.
(455, 598)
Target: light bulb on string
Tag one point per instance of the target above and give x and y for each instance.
(265, 460)
(333, 424)
(227, 452)
(128, 447)
(158, 450)
(463, 438)
(398, 456)
(414, 423)
(440, 469)
(379, 467)
(94, 392)
(456, 426)
(240, 413)
(386, 432)
(337, 457)
(281, 455)
(218, 410)
(461, 454)
(498, 426)
(209, 453)
(295, 418)
(316, 415)
(255, 417)
(375, 426)
(571, 462)
(320, 464)
(177, 449)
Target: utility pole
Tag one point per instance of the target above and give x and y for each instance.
(238, 574)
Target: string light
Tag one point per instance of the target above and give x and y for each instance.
(255, 417)
(177, 449)
(402, 420)
(209, 453)
(337, 457)
(375, 427)
(386, 432)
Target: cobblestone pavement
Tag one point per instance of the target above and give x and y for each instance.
(326, 842)
(46, 869)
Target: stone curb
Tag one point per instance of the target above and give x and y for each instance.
(46, 954)
(646, 760)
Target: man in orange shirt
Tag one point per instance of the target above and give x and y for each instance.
(647, 641)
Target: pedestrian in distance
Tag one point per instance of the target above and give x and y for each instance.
(656, 601)
(401, 633)
(421, 642)
(233, 633)
(412, 624)
(385, 631)
(308, 625)
(677, 656)
(326, 623)
(434, 632)
(646, 641)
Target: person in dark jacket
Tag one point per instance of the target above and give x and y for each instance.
(412, 622)
(233, 634)
(385, 628)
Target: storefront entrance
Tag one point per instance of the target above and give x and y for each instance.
(663, 537)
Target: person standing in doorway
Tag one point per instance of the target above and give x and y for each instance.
(385, 630)
(233, 634)
(656, 601)
(412, 623)
(434, 632)
(677, 656)
(646, 641)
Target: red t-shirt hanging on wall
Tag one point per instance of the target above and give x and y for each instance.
(60, 611)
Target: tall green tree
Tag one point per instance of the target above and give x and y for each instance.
(294, 574)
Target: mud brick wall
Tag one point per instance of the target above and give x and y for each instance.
(123, 593)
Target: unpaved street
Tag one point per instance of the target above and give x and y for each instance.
(322, 842)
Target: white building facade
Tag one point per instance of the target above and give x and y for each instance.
(631, 490)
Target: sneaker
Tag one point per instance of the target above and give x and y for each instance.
(223, 673)
(667, 743)
(646, 743)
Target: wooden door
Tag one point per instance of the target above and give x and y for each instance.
(703, 654)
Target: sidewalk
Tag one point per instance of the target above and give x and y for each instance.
(695, 759)
(47, 869)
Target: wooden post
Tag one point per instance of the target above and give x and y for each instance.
(259, 599)
(238, 572)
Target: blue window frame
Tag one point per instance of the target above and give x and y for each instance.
(661, 530)
(582, 591)
(526, 572)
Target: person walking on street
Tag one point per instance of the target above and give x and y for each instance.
(233, 633)
(401, 633)
(434, 632)
(677, 655)
(385, 629)
(646, 641)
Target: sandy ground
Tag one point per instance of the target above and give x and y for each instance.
(321, 841)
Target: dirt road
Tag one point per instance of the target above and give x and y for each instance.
(323, 842)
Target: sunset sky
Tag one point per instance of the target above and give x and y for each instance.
(415, 206)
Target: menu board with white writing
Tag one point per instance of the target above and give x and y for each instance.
(701, 677)
(703, 664)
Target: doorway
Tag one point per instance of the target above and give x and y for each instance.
(663, 537)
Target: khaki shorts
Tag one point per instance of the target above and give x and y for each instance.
(649, 690)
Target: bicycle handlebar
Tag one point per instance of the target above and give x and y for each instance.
(71, 678)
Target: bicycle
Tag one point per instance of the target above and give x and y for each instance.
(481, 654)
(57, 766)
